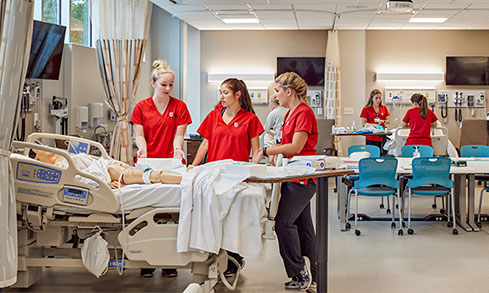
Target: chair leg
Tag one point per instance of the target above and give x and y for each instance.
(400, 231)
(357, 232)
(410, 231)
(452, 200)
(434, 202)
(381, 202)
(388, 210)
(393, 224)
(348, 205)
(479, 223)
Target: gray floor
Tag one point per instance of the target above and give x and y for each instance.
(431, 260)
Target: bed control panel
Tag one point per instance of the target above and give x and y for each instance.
(37, 173)
(75, 195)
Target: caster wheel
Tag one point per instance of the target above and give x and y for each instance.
(442, 211)
(400, 232)
(357, 232)
(348, 225)
(403, 225)
(393, 225)
(410, 231)
(449, 224)
(455, 232)
(433, 206)
(479, 224)
(388, 211)
(381, 206)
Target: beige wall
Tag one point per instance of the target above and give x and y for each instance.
(252, 51)
(422, 51)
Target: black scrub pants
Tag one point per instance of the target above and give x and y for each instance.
(380, 144)
(294, 228)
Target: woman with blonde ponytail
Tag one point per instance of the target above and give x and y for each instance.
(293, 223)
(420, 120)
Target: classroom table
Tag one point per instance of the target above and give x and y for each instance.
(464, 187)
(321, 216)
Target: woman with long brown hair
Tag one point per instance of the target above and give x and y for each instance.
(420, 120)
(377, 114)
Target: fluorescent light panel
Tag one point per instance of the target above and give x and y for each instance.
(428, 20)
(422, 76)
(240, 20)
(247, 77)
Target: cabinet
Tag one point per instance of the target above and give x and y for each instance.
(191, 145)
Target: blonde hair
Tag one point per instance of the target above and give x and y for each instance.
(291, 80)
(160, 67)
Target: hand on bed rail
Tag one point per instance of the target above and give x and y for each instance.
(111, 169)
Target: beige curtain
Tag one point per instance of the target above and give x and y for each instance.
(16, 33)
(121, 26)
(332, 86)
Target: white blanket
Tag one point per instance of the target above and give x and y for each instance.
(220, 211)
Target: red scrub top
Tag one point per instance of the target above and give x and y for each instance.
(420, 128)
(370, 114)
(159, 129)
(233, 140)
(301, 119)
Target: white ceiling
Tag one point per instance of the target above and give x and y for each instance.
(321, 14)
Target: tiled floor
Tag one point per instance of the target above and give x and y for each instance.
(431, 260)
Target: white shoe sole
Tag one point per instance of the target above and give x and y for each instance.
(308, 269)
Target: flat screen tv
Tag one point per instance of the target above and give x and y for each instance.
(311, 69)
(467, 71)
(46, 50)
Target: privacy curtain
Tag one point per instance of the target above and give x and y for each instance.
(16, 32)
(122, 27)
(332, 86)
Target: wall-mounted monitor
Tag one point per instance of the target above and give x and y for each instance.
(311, 69)
(46, 50)
(467, 71)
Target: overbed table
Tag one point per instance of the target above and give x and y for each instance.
(464, 186)
(321, 217)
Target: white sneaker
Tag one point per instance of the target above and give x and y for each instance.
(305, 275)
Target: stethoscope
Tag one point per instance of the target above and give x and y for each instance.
(458, 108)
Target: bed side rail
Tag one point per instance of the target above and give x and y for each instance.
(75, 144)
(47, 185)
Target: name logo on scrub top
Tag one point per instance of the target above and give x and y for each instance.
(236, 124)
(171, 114)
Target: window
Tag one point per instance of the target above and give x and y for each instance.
(79, 22)
(74, 14)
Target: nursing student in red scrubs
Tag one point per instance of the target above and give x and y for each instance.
(420, 120)
(159, 124)
(377, 114)
(293, 223)
(230, 131)
(160, 121)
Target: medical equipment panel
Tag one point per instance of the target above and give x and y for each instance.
(37, 173)
(402, 95)
(77, 147)
(462, 98)
(75, 195)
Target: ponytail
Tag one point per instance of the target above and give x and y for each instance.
(238, 85)
(423, 104)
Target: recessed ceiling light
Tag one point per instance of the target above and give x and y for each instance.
(240, 20)
(428, 20)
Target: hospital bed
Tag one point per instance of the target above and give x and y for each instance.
(439, 140)
(55, 211)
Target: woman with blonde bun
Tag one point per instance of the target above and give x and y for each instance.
(160, 121)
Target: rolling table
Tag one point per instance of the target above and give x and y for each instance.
(321, 216)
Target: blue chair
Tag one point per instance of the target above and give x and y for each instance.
(377, 177)
(477, 151)
(424, 151)
(431, 177)
(374, 153)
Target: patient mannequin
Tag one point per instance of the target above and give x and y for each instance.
(114, 169)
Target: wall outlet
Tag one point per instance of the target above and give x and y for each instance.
(348, 111)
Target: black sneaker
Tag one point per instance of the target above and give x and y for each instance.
(232, 268)
(292, 284)
(305, 277)
(146, 273)
(169, 273)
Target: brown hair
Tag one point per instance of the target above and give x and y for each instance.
(291, 80)
(237, 85)
(423, 104)
(373, 93)
(160, 67)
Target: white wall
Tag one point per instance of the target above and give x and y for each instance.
(193, 96)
